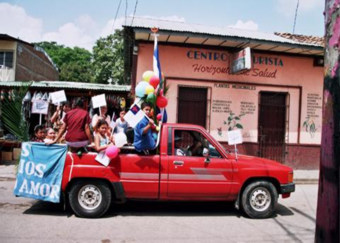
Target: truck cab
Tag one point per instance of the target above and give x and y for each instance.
(188, 165)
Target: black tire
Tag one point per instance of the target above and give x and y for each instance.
(90, 198)
(259, 199)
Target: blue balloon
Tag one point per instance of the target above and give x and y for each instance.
(140, 88)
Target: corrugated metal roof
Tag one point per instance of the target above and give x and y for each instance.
(177, 26)
(69, 85)
(303, 38)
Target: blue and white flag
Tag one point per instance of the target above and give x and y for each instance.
(40, 171)
(134, 115)
(156, 63)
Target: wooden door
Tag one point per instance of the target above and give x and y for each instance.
(272, 125)
(192, 105)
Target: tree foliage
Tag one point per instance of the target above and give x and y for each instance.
(78, 64)
(74, 63)
(108, 59)
(12, 114)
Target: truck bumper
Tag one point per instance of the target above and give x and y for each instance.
(287, 188)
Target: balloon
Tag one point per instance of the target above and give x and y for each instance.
(154, 136)
(112, 152)
(161, 102)
(140, 88)
(154, 81)
(147, 75)
(159, 117)
(157, 128)
(151, 98)
(120, 139)
(149, 89)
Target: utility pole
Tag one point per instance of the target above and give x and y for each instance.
(327, 216)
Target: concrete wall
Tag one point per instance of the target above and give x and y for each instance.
(33, 65)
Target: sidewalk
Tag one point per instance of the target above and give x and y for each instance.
(8, 170)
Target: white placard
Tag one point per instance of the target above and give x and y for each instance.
(58, 97)
(102, 158)
(235, 137)
(40, 107)
(98, 101)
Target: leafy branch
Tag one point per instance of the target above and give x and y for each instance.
(12, 114)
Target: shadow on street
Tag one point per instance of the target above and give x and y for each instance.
(152, 208)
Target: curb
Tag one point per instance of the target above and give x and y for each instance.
(302, 181)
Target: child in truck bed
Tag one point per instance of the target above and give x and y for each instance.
(101, 139)
(143, 139)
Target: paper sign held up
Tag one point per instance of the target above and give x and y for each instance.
(40, 107)
(235, 137)
(98, 101)
(58, 97)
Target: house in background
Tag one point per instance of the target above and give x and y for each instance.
(276, 101)
(20, 60)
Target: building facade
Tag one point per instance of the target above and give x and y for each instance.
(23, 61)
(277, 103)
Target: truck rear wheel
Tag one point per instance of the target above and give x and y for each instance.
(259, 199)
(90, 198)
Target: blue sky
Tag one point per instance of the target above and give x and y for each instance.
(80, 23)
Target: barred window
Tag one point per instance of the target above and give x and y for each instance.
(6, 59)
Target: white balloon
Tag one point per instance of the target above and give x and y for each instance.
(120, 139)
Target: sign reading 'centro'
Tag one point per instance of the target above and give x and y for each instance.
(208, 55)
(225, 57)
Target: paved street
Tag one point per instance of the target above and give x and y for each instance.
(26, 220)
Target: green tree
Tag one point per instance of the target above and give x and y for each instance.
(108, 59)
(74, 63)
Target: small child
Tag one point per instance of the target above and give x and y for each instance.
(39, 134)
(143, 138)
(101, 139)
(50, 134)
(121, 124)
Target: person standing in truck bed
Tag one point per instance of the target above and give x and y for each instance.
(77, 124)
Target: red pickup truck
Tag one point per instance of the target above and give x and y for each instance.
(188, 165)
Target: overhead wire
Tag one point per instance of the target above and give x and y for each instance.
(113, 24)
(134, 12)
(296, 12)
(126, 8)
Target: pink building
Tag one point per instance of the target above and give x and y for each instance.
(277, 103)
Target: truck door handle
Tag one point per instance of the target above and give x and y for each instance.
(177, 162)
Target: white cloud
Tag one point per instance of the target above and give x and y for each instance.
(248, 25)
(17, 23)
(288, 7)
(71, 35)
(82, 33)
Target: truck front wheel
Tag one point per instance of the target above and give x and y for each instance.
(259, 199)
(90, 199)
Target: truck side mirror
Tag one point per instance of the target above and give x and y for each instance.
(206, 155)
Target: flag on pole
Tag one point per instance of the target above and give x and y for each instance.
(156, 63)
